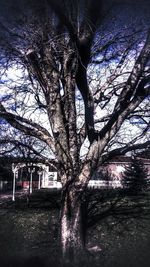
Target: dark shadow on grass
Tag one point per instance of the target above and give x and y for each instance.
(29, 262)
(15, 262)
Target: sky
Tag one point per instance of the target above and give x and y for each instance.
(119, 18)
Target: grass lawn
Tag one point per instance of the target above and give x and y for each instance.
(29, 233)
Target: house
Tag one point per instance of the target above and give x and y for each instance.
(117, 165)
(31, 176)
(114, 167)
(114, 170)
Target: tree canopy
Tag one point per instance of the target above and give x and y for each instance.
(75, 86)
(107, 69)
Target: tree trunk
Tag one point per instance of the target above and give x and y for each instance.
(72, 234)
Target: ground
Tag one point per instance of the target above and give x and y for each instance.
(29, 236)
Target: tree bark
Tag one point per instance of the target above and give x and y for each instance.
(72, 228)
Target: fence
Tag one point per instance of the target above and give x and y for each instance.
(104, 184)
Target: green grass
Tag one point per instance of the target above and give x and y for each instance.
(29, 233)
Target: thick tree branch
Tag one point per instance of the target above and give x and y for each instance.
(134, 88)
(58, 9)
(123, 150)
(27, 126)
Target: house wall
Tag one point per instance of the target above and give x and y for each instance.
(117, 168)
(50, 179)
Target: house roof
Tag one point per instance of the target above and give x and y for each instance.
(125, 159)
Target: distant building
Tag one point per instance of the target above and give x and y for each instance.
(42, 176)
(115, 169)
(117, 165)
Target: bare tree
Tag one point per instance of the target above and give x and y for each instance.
(82, 76)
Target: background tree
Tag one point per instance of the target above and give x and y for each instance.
(74, 76)
(135, 178)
